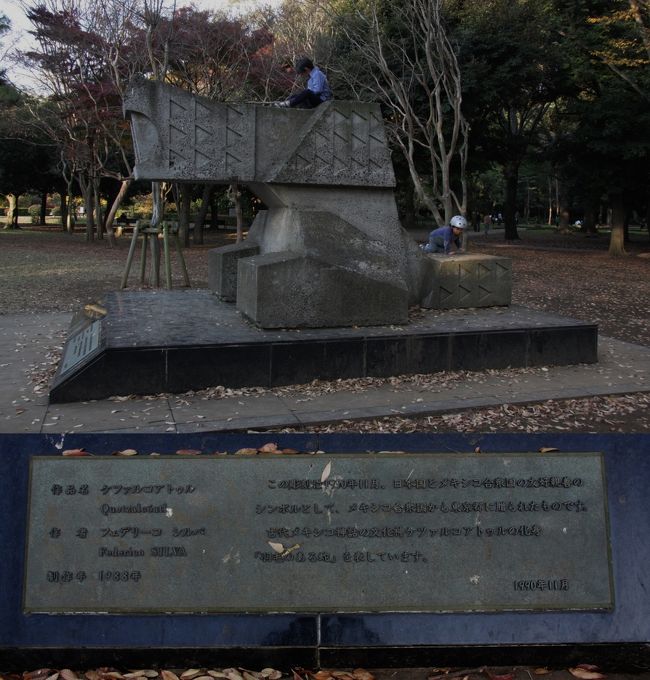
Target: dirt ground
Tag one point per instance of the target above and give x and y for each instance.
(571, 275)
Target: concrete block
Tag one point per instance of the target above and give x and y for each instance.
(222, 268)
(466, 280)
(326, 243)
(288, 290)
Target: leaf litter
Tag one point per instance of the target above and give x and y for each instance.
(584, 671)
(551, 272)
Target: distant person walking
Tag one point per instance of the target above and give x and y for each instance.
(316, 92)
(487, 223)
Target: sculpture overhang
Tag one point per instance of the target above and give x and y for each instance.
(179, 136)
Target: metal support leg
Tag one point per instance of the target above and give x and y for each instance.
(129, 258)
(155, 261)
(186, 276)
(168, 261)
(143, 257)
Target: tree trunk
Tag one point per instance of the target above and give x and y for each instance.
(117, 202)
(12, 211)
(200, 218)
(43, 214)
(71, 219)
(589, 221)
(511, 175)
(408, 220)
(236, 193)
(70, 215)
(89, 206)
(527, 204)
(63, 208)
(157, 202)
(562, 208)
(626, 225)
(214, 211)
(184, 204)
(97, 209)
(617, 239)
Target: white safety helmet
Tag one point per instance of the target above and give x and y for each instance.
(459, 222)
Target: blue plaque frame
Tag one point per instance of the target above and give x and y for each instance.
(620, 636)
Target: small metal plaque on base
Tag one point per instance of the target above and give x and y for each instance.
(343, 533)
(80, 346)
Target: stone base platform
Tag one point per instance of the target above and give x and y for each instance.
(174, 341)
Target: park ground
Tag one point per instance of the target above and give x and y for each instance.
(46, 270)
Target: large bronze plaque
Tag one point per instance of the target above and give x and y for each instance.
(361, 533)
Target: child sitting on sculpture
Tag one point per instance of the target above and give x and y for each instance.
(440, 239)
(316, 92)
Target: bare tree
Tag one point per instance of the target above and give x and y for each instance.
(412, 67)
(86, 54)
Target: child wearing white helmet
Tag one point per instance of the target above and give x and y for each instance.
(440, 239)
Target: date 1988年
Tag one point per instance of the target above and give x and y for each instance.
(541, 584)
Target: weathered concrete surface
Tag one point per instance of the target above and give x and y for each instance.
(184, 137)
(327, 180)
(320, 294)
(466, 280)
(222, 268)
(317, 269)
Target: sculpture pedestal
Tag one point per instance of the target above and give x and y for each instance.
(174, 341)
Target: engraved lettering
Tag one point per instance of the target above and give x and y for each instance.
(561, 584)
(168, 551)
(364, 538)
(119, 576)
(186, 532)
(119, 552)
(108, 510)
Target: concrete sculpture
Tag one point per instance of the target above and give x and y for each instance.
(329, 250)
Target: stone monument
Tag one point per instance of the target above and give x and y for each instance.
(326, 274)
(330, 249)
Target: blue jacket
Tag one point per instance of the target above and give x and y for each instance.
(440, 240)
(318, 84)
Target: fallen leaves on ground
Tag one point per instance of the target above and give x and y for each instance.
(568, 275)
(583, 671)
(267, 449)
(75, 453)
(127, 453)
(586, 672)
(623, 413)
(357, 674)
